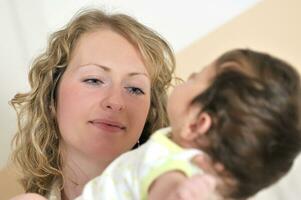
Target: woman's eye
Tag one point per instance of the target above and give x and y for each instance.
(93, 81)
(135, 90)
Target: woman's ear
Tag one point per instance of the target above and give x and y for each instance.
(198, 126)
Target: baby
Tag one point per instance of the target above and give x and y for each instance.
(243, 111)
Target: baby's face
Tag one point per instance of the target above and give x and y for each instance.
(179, 103)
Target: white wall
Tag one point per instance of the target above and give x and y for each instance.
(273, 26)
(25, 26)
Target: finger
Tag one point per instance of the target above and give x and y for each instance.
(219, 167)
(203, 162)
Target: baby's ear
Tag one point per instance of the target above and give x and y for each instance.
(199, 126)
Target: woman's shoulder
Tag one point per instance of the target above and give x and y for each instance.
(9, 182)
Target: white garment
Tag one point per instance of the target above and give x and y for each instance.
(131, 174)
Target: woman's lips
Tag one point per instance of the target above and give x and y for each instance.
(108, 125)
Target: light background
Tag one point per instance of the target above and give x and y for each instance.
(26, 25)
(197, 30)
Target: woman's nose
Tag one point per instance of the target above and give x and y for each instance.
(114, 102)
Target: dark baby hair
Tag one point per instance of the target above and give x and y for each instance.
(254, 102)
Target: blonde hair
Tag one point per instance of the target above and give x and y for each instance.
(36, 144)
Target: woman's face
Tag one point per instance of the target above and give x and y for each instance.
(103, 96)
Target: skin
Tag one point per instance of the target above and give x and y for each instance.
(186, 126)
(174, 186)
(103, 80)
(103, 102)
(29, 196)
(181, 114)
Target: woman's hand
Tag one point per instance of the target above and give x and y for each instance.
(175, 185)
(198, 187)
(206, 164)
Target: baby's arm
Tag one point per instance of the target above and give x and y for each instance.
(175, 186)
(29, 196)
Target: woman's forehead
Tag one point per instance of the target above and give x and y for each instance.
(110, 49)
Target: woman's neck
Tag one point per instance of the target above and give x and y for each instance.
(77, 171)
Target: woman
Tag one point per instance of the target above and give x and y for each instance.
(97, 91)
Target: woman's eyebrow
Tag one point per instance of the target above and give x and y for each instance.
(138, 73)
(105, 68)
(108, 69)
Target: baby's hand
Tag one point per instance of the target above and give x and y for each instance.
(198, 187)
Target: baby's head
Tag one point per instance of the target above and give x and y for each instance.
(244, 111)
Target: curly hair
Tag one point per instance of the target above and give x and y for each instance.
(254, 103)
(36, 144)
